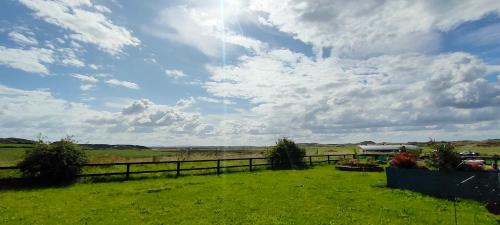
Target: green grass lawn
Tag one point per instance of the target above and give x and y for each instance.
(11, 156)
(480, 149)
(321, 195)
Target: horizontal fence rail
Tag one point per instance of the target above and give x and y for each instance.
(252, 164)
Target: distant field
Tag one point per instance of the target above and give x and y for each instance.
(11, 154)
(491, 150)
(321, 195)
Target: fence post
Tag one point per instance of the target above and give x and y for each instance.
(310, 161)
(178, 168)
(328, 159)
(218, 166)
(128, 171)
(250, 163)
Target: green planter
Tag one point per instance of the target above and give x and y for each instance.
(483, 186)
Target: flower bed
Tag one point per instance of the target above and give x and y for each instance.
(359, 165)
(360, 168)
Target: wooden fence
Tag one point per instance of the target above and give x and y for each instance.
(252, 163)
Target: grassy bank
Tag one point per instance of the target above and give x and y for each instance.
(320, 195)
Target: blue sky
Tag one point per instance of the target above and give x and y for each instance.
(247, 72)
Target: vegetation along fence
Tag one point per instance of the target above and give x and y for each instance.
(216, 165)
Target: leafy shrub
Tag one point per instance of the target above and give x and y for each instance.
(53, 162)
(444, 157)
(286, 154)
(404, 160)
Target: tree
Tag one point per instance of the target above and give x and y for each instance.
(54, 162)
(285, 154)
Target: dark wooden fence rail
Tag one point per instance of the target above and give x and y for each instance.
(252, 163)
(218, 167)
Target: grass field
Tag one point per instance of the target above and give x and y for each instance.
(11, 154)
(321, 195)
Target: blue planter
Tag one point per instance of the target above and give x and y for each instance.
(482, 186)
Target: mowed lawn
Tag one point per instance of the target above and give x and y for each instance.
(321, 195)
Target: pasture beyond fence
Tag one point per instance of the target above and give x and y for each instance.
(216, 165)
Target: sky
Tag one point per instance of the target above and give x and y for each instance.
(176, 73)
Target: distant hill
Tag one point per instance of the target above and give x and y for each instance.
(15, 141)
(106, 146)
(88, 146)
(489, 143)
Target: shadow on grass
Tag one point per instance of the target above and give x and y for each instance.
(31, 184)
(121, 178)
(27, 184)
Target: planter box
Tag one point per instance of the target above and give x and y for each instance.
(483, 186)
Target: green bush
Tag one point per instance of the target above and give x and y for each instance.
(53, 162)
(444, 157)
(286, 154)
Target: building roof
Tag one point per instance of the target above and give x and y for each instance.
(386, 147)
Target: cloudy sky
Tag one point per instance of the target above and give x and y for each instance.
(246, 72)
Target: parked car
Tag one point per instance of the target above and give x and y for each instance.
(469, 153)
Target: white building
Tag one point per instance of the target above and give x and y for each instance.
(386, 148)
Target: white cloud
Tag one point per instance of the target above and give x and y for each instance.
(185, 103)
(179, 23)
(373, 27)
(102, 8)
(215, 100)
(85, 78)
(68, 56)
(38, 111)
(31, 60)
(86, 21)
(86, 87)
(22, 39)
(93, 66)
(88, 82)
(26, 113)
(117, 103)
(73, 62)
(294, 95)
(122, 83)
(144, 116)
(176, 74)
(88, 99)
(136, 107)
(35, 60)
